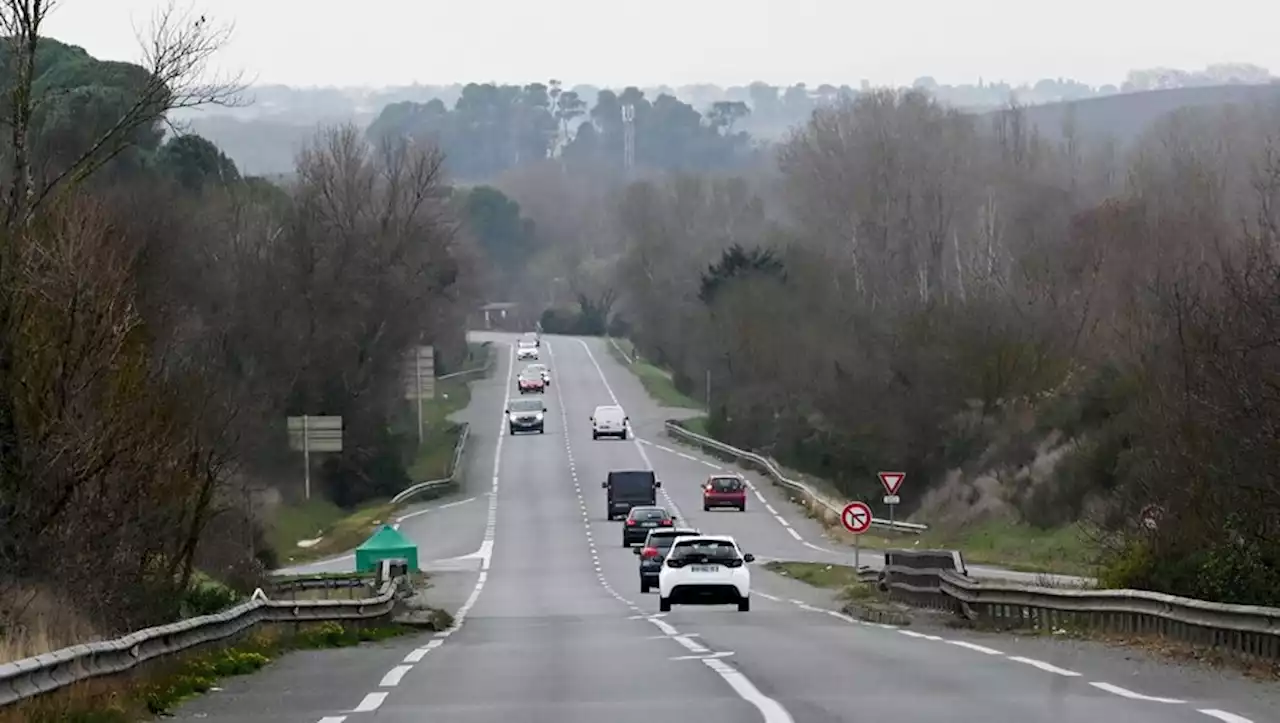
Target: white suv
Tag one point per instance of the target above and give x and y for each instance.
(527, 350)
(609, 421)
(705, 570)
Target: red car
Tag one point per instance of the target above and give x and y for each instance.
(724, 491)
(532, 383)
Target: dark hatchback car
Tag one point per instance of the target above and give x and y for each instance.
(643, 519)
(656, 547)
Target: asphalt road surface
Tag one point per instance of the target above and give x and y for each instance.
(555, 628)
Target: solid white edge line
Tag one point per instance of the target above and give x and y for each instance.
(332, 719)
(370, 703)
(394, 676)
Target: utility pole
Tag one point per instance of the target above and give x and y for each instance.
(628, 137)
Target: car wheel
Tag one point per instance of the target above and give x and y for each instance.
(542, 430)
(664, 605)
(644, 586)
(706, 508)
(595, 437)
(744, 605)
(511, 431)
(742, 508)
(623, 436)
(625, 541)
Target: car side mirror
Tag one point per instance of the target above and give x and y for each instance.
(657, 484)
(508, 410)
(636, 550)
(748, 557)
(604, 485)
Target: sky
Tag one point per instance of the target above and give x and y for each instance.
(679, 42)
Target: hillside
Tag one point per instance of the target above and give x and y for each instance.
(1123, 117)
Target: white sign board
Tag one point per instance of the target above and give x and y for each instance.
(892, 499)
(315, 434)
(420, 373)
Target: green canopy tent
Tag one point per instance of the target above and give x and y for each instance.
(386, 544)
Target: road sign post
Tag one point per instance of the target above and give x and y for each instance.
(856, 518)
(310, 435)
(892, 482)
(420, 381)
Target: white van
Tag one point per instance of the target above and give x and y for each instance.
(609, 421)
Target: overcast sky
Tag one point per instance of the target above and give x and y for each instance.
(676, 42)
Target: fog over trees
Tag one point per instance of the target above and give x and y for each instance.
(1051, 315)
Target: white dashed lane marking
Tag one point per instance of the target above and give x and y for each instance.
(772, 710)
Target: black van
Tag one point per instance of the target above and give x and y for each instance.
(630, 488)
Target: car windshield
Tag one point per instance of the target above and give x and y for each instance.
(526, 405)
(526, 344)
(531, 377)
(726, 484)
(705, 550)
(651, 513)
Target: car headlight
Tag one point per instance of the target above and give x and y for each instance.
(538, 417)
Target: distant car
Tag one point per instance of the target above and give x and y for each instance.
(541, 369)
(654, 551)
(533, 337)
(705, 570)
(724, 490)
(526, 350)
(531, 381)
(608, 420)
(640, 520)
(526, 415)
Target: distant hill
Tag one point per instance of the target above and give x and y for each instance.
(1125, 116)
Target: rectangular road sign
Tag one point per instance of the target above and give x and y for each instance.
(420, 373)
(892, 499)
(323, 434)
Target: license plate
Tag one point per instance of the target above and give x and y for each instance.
(705, 568)
(648, 524)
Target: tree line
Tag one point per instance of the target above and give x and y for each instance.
(161, 314)
(1055, 332)
(492, 128)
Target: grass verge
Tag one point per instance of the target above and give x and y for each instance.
(841, 578)
(341, 530)
(657, 381)
(1000, 543)
(164, 686)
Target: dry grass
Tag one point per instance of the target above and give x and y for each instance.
(35, 621)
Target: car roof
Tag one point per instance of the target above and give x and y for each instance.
(646, 508)
(608, 408)
(676, 532)
(530, 402)
(709, 538)
(725, 475)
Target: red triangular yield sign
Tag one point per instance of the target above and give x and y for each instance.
(892, 481)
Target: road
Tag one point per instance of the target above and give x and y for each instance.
(554, 627)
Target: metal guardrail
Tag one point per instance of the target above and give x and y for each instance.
(455, 468)
(30, 677)
(455, 471)
(937, 579)
(488, 364)
(822, 507)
